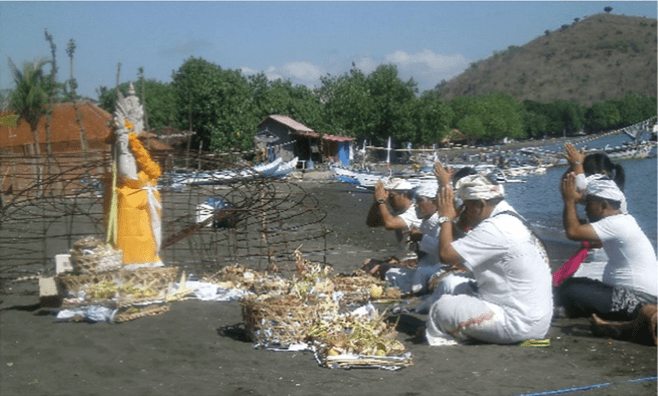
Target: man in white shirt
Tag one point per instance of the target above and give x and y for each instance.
(402, 218)
(513, 300)
(415, 280)
(628, 289)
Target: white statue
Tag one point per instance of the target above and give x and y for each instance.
(127, 108)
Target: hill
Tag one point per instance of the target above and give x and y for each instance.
(604, 56)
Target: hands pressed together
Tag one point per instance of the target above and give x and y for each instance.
(569, 192)
(573, 156)
(445, 203)
(380, 192)
(442, 174)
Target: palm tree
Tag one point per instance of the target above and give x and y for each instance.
(30, 96)
(30, 100)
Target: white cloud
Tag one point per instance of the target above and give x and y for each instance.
(272, 74)
(425, 67)
(248, 71)
(428, 66)
(303, 71)
(366, 64)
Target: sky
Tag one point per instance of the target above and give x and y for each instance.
(428, 41)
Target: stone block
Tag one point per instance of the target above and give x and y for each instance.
(63, 263)
(49, 293)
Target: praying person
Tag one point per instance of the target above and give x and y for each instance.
(402, 218)
(415, 280)
(594, 166)
(512, 300)
(590, 260)
(630, 278)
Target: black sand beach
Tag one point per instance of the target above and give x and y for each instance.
(184, 351)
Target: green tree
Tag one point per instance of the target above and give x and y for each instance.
(635, 108)
(282, 97)
(498, 116)
(347, 106)
(567, 117)
(535, 121)
(602, 116)
(432, 117)
(30, 96)
(393, 103)
(217, 104)
(471, 125)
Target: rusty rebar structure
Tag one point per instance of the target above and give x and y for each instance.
(265, 221)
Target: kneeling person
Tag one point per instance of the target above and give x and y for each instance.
(629, 286)
(513, 302)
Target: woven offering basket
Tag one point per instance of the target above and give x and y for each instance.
(358, 341)
(153, 283)
(97, 263)
(90, 256)
(280, 321)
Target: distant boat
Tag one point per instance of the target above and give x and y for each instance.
(285, 168)
(267, 169)
(368, 180)
(347, 175)
(641, 150)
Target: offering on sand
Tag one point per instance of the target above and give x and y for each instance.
(128, 294)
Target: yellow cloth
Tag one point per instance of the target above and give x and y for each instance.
(134, 231)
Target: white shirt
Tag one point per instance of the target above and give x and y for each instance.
(509, 269)
(429, 244)
(411, 221)
(631, 258)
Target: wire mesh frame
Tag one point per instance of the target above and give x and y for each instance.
(58, 199)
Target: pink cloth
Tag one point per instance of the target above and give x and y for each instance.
(572, 264)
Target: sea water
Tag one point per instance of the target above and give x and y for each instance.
(539, 199)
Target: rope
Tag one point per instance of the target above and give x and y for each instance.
(588, 387)
(458, 146)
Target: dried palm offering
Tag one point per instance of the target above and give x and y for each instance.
(356, 335)
(102, 291)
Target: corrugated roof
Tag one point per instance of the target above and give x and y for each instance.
(63, 126)
(287, 121)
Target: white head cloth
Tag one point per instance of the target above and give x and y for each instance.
(397, 183)
(475, 187)
(606, 189)
(426, 191)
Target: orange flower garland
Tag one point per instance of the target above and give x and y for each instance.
(111, 137)
(146, 164)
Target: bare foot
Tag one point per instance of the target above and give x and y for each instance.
(371, 266)
(602, 328)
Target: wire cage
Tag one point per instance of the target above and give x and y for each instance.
(218, 213)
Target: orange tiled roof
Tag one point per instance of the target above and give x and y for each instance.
(64, 127)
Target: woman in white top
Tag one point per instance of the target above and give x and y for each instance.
(629, 283)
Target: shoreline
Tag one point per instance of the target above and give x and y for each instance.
(183, 351)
